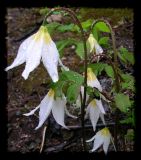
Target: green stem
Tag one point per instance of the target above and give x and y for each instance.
(77, 22)
(115, 68)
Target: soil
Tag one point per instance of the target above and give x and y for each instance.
(25, 95)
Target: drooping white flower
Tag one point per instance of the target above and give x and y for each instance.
(56, 106)
(94, 111)
(94, 46)
(102, 137)
(33, 49)
(92, 81)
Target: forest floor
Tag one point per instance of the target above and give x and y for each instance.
(24, 95)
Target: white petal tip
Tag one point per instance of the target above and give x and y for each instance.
(6, 69)
(27, 114)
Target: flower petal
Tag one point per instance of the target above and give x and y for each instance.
(94, 115)
(106, 144)
(32, 111)
(21, 56)
(98, 49)
(50, 57)
(95, 83)
(58, 111)
(33, 56)
(98, 141)
(91, 139)
(102, 118)
(99, 104)
(45, 109)
(69, 114)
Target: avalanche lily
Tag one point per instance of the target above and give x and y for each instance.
(102, 137)
(48, 104)
(94, 46)
(92, 81)
(38, 46)
(94, 111)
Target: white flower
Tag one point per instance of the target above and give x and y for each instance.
(94, 111)
(94, 46)
(102, 137)
(37, 46)
(48, 104)
(92, 81)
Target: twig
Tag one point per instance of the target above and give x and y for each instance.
(88, 126)
(43, 139)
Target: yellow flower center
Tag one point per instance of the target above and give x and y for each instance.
(42, 33)
(51, 93)
(93, 103)
(105, 132)
(90, 75)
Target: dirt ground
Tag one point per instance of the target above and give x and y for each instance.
(24, 95)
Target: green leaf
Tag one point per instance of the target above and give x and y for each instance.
(86, 24)
(72, 92)
(97, 67)
(72, 77)
(65, 28)
(103, 41)
(95, 33)
(126, 56)
(64, 43)
(80, 50)
(109, 71)
(122, 102)
(129, 82)
(52, 26)
(101, 26)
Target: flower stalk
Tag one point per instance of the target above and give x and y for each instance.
(77, 22)
(115, 69)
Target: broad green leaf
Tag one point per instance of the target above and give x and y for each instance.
(72, 77)
(72, 92)
(80, 50)
(101, 26)
(97, 67)
(122, 102)
(103, 41)
(126, 56)
(86, 24)
(109, 71)
(129, 82)
(95, 33)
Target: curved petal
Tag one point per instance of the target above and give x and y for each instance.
(32, 111)
(99, 104)
(94, 83)
(21, 56)
(50, 57)
(58, 111)
(69, 114)
(94, 113)
(33, 56)
(106, 144)
(98, 142)
(45, 109)
(102, 118)
(91, 139)
(87, 112)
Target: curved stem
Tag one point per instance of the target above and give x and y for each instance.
(115, 68)
(77, 22)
